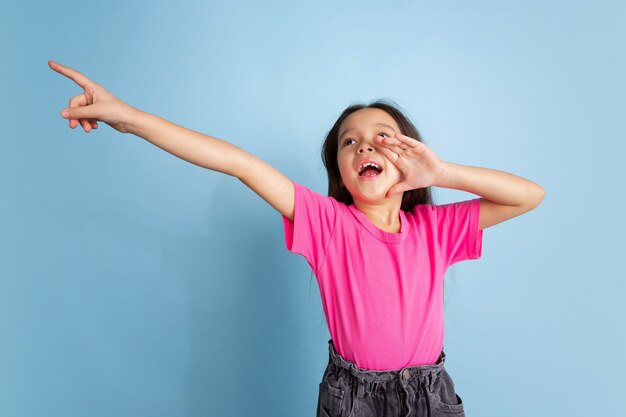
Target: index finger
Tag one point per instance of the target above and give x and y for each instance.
(70, 73)
(408, 140)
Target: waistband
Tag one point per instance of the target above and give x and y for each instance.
(404, 375)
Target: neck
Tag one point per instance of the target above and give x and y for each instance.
(386, 214)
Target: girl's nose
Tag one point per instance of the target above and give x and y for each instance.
(367, 147)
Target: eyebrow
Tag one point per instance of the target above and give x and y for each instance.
(374, 124)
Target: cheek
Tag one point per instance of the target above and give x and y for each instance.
(342, 176)
(344, 166)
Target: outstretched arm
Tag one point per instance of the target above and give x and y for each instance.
(217, 155)
(97, 104)
(504, 195)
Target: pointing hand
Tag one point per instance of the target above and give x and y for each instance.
(94, 104)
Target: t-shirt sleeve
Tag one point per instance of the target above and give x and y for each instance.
(458, 230)
(312, 227)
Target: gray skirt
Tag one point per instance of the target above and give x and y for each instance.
(349, 391)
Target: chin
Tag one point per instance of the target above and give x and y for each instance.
(371, 197)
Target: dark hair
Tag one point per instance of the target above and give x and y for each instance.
(336, 189)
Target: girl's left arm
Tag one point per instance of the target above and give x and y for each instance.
(504, 195)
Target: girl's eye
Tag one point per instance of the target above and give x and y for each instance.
(380, 133)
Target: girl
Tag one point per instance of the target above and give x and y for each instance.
(378, 245)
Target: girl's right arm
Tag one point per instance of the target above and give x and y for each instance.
(217, 155)
(96, 103)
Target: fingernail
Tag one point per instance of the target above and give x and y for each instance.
(64, 113)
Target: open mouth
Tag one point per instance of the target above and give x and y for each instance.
(370, 170)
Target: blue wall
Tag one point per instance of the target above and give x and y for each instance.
(133, 283)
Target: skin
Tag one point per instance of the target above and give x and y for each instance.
(380, 199)
(407, 163)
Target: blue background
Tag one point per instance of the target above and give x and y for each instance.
(133, 283)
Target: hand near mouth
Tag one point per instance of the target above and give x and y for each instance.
(419, 165)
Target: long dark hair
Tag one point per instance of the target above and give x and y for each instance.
(336, 189)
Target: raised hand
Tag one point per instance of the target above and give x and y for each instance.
(420, 166)
(94, 104)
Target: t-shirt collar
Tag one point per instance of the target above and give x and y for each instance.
(377, 232)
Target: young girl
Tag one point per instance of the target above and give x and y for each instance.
(378, 245)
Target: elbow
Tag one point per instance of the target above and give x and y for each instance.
(537, 195)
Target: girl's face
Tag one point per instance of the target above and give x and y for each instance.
(356, 144)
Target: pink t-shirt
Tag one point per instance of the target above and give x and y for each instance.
(382, 292)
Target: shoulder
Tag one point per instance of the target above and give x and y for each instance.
(308, 195)
(433, 209)
(423, 210)
(448, 214)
